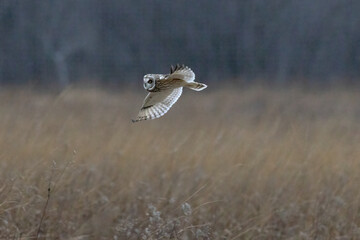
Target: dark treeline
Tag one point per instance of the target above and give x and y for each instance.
(62, 41)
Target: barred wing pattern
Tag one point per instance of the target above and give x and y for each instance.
(182, 72)
(156, 104)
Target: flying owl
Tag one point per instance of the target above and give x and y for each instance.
(165, 89)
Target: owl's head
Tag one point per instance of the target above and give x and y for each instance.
(149, 82)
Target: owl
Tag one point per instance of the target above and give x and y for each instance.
(165, 89)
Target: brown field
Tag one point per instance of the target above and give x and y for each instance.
(254, 163)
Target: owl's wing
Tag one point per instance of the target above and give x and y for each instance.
(181, 72)
(156, 104)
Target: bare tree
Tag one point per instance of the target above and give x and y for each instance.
(65, 28)
(57, 40)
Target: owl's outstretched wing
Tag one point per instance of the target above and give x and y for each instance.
(156, 104)
(181, 72)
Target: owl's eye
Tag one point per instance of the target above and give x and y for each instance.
(150, 81)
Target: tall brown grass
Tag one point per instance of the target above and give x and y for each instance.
(251, 163)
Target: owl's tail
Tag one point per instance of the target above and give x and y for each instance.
(196, 86)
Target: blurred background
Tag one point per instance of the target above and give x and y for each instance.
(270, 150)
(111, 42)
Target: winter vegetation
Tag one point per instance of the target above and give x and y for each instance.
(250, 163)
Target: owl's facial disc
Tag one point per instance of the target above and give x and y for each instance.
(149, 82)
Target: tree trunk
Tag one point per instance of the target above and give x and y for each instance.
(61, 69)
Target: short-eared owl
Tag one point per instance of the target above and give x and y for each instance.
(164, 90)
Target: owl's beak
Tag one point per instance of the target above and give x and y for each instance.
(145, 85)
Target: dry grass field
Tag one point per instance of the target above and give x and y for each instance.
(254, 163)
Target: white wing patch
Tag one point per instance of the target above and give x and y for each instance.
(182, 72)
(156, 104)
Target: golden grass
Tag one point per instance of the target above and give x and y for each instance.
(250, 163)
